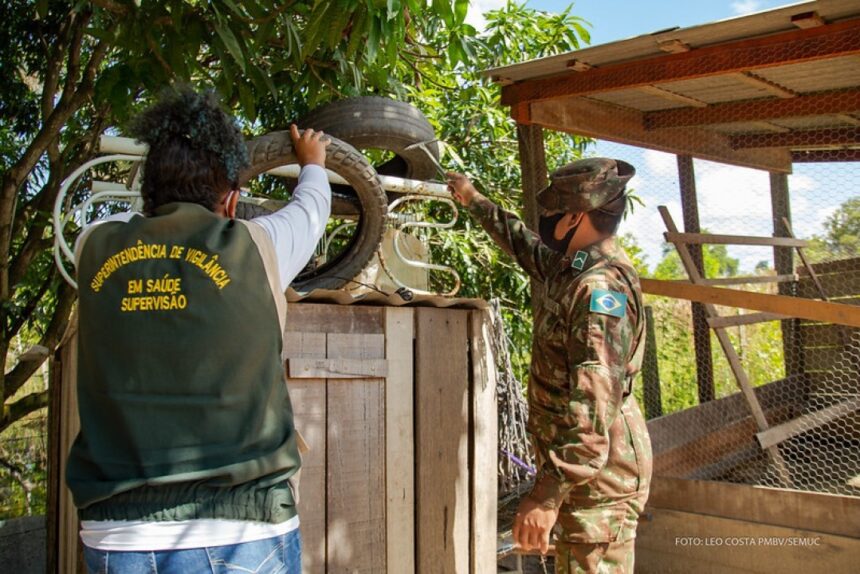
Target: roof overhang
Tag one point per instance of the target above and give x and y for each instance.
(760, 91)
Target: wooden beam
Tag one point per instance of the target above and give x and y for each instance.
(807, 20)
(807, 422)
(837, 313)
(783, 263)
(843, 101)
(751, 279)
(399, 441)
(825, 155)
(701, 333)
(484, 446)
(533, 170)
(816, 511)
(799, 138)
(746, 319)
(831, 40)
(606, 121)
(716, 239)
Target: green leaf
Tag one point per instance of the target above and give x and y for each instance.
(230, 42)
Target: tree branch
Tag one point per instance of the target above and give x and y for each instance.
(16, 378)
(22, 407)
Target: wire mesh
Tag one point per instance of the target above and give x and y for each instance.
(806, 374)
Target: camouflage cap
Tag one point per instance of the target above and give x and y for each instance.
(586, 185)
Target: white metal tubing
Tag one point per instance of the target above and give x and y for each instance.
(116, 144)
(61, 266)
(64, 189)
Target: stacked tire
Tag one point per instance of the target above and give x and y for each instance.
(353, 124)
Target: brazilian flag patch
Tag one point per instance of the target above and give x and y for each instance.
(608, 302)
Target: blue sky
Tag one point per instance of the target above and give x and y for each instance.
(731, 200)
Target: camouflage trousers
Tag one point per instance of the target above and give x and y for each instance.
(596, 558)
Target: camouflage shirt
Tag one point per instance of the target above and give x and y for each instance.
(591, 444)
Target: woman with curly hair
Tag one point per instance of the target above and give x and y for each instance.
(187, 458)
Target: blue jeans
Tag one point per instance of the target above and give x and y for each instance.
(278, 555)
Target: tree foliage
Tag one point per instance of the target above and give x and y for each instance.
(73, 68)
(841, 238)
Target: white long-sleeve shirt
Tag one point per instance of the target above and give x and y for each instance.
(295, 231)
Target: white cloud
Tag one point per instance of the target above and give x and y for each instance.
(477, 9)
(741, 7)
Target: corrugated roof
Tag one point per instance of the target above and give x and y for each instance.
(711, 90)
(647, 45)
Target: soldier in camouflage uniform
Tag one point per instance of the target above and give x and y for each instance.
(590, 439)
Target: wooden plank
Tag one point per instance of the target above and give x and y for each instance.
(807, 422)
(328, 318)
(70, 551)
(605, 121)
(827, 513)
(336, 368)
(715, 239)
(301, 344)
(746, 319)
(749, 280)
(399, 441)
(797, 138)
(484, 445)
(746, 54)
(682, 460)
(842, 284)
(756, 110)
(822, 311)
(672, 542)
(308, 397)
(835, 266)
(442, 441)
(355, 468)
(355, 345)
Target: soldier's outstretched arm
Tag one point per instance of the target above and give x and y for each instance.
(571, 427)
(507, 230)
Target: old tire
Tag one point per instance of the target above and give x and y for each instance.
(381, 123)
(276, 149)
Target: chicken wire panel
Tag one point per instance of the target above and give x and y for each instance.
(806, 375)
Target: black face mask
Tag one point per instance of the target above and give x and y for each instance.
(546, 230)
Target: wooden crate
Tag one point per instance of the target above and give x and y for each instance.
(398, 407)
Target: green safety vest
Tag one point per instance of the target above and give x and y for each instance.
(182, 394)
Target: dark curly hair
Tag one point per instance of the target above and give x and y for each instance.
(196, 150)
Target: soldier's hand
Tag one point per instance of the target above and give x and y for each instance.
(309, 146)
(461, 188)
(533, 525)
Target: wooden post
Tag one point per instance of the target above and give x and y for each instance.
(650, 371)
(783, 261)
(701, 330)
(534, 178)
